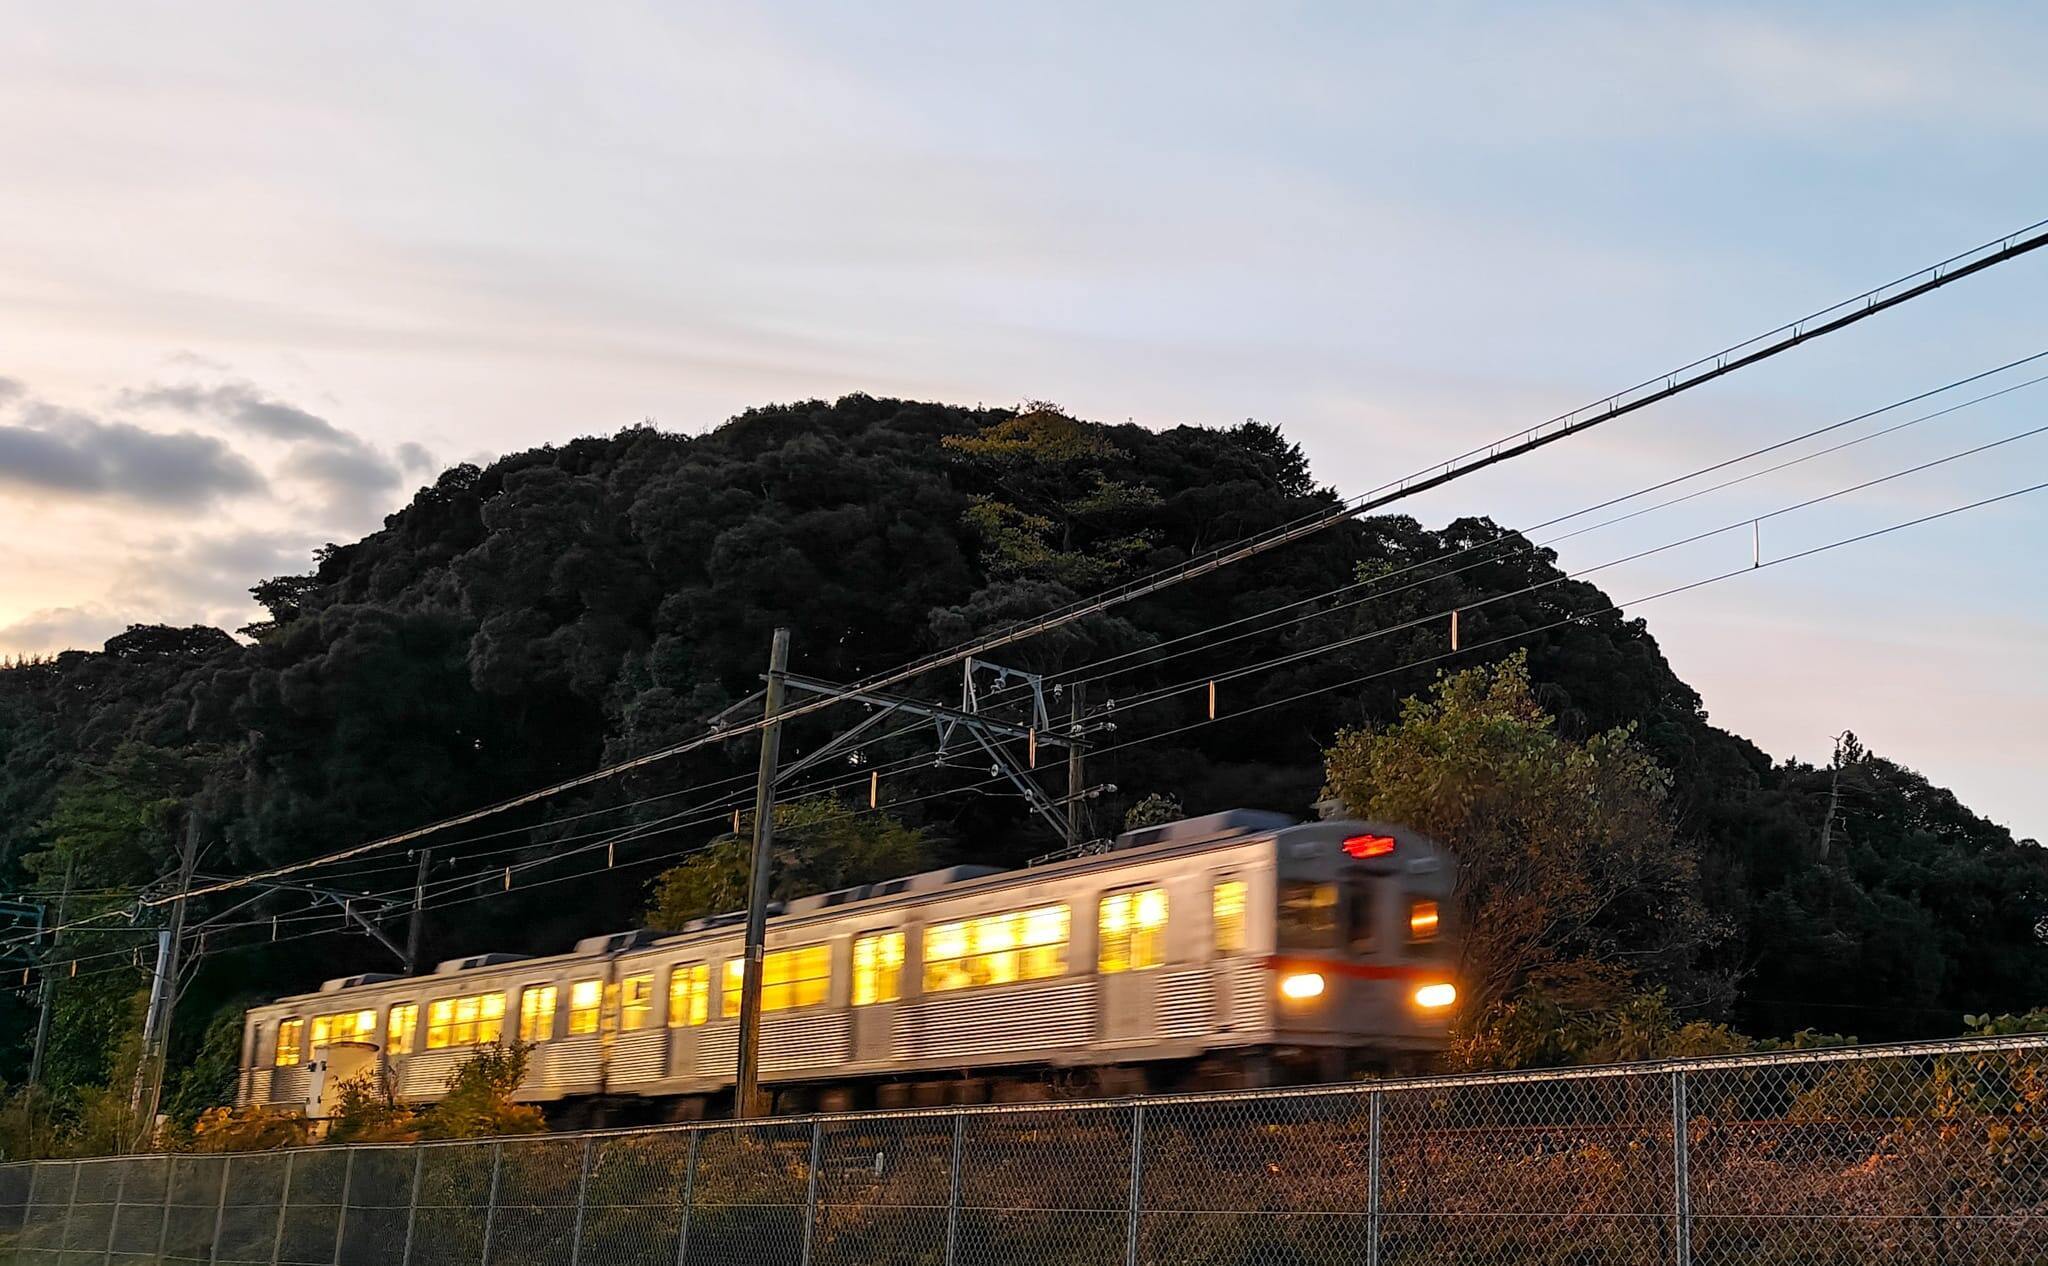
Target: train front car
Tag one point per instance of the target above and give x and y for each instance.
(1364, 948)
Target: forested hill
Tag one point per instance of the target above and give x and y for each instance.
(600, 599)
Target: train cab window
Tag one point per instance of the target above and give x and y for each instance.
(1132, 930)
(1227, 913)
(344, 1026)
(398, 1027)
(1424, 919)
(586, 1002)
(536, 1013)
(877, 968)
(689, 995)
(1307, 915)
(290, 1043)
(996, 949)
(471, 1020)
(790, 979)
(1360, 927)
(636, 1002)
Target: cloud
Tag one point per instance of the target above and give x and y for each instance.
(11, 390)
(241, 404)
(60, 629)
(352, 480)
(65, 451)
(416, 459)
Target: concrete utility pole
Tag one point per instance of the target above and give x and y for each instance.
(1827, 826)
(163, 991)
(747, 1088)
(47, 1001)
(1074, 754)
(417, 928)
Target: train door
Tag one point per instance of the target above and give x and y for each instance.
(1232, 969)
(1130, 945)
(875, 992)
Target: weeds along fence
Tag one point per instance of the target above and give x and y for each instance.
(1930, 1153)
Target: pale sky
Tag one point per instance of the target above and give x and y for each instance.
(265, 268)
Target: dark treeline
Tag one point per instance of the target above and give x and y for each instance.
(600, 599)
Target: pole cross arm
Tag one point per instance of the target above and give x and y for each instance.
(938, 712)
(355, 916)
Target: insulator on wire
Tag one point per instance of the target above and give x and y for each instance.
(875, 789)
(508, 879)
(1212, 700)
(610, 854)
(1031, 742)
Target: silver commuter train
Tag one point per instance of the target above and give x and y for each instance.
(1242, 948)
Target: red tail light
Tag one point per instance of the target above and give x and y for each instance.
(1363, 846)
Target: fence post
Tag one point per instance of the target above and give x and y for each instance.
(1372, 1182)
(220, 1208)
(953, 1187)
(811, 1188)
(1681, 1177)
(114, 1222)
(491, 1204)
(70, 1209)
(163, 1228)
(1137, 1183)
(120, 1195)
(348, 1176)
(582, 1203)
(412, 1207)
(284, 1204)
(689, 1195)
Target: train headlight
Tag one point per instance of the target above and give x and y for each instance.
(1301, 986)
(1436, 997)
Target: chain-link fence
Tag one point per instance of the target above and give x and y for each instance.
(1933, 1153)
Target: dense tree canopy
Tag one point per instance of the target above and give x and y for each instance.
(603, 598)
(1572, 881)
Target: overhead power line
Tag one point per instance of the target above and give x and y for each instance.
(1706, 369)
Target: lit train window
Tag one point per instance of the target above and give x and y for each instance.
(996, 949)
(1423, 919)
(398, 1027)
(689, 995)
(466, 1021)
(877, 968)
(586, 1000)
(290, 1039)
(1227, 904)
(636, 1002)
(536, 1013)
(1307, 915)
(790, 978)
(344, 1026)
(1133, 930)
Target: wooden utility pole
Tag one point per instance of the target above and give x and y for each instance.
(747, 1087)
(415, 930)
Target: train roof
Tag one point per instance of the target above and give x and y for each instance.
(1185, 835)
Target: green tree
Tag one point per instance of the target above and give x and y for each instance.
(365, 1111)
(479, 1099)
(820, 845)
(1572, 884)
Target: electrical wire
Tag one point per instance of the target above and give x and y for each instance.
(1650, 391)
